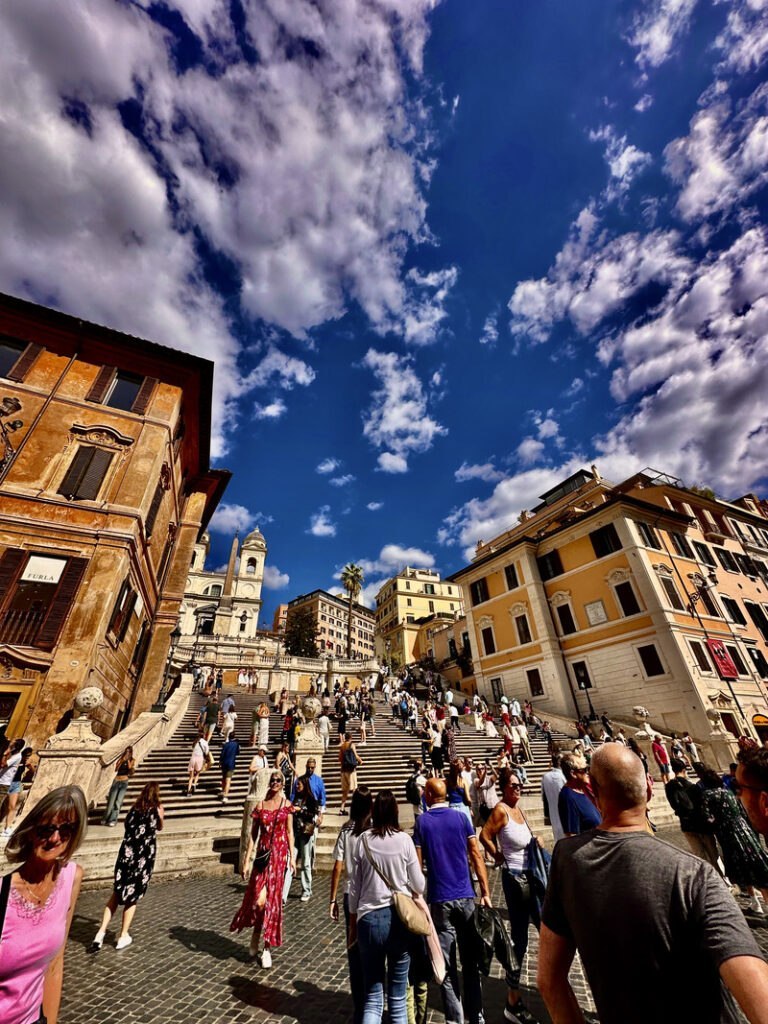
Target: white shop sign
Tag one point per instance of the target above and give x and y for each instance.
(43, 570)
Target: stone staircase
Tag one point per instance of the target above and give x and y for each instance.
(202, 835)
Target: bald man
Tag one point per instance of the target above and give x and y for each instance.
(656, 927)
(445, 840)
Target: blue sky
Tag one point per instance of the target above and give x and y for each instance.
(443, 253)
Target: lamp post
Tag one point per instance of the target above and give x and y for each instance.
(388, 649)
(585, 689)
(8, 406)
(162, 697)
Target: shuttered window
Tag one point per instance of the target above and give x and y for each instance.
(478, 591)
(154, 508)
(121, 613)
(86, 473)
(605, 540)
(25, 356)
(141, 648)
(33, 611)
(523, 629)
(122, 390)
(62, 603)
(102, 384)
(145, 393)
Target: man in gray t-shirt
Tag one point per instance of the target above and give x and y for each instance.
(657, 930)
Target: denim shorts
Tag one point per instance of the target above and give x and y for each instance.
(15, 787)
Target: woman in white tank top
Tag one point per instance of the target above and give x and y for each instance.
(506, 837)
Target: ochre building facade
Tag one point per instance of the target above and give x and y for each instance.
(105, 485)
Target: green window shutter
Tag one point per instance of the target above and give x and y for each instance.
(62, 602)
(101, 385)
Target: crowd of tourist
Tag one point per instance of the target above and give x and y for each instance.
(417, 903)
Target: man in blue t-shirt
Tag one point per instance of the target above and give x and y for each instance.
(446, 842)
(228, 760)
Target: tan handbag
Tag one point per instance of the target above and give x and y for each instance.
(412, 916)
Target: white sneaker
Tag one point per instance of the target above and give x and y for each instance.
(305, 897)
(756, 904)
(124, 942)
(7, 832)
(266, 959)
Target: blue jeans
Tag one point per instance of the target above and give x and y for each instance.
(305, 850)
(355, 972)
(453, 924)
(384, 942)
(114, 802)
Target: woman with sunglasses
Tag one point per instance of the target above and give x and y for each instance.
(506, 837)
(576, 804)
(39, 898)
(134, 864)
(272, 838)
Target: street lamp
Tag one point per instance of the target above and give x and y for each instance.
(162, 697)
(388, 649)
(701, 585)
(8, 406)
(585, 689)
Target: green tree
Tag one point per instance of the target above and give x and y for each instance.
(352, 580)
(301, 634)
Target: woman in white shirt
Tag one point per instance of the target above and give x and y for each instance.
(383, 938)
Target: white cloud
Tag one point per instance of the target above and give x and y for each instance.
(320, 524)
(342, 481)
(624, 160)
(272, 411)
(277, 368)
(530, 450)
(490, 334)
(574, 388)
(328, 465)
(485, 471)
(644, 103)
(374, 506)
(744, 40)
(547, 427)
(305, 172)
(398, 419)
(274, 579)
(658, 29)
(394, 557)
(230, 517)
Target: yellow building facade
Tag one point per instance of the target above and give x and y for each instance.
(401, 602)
(105, 485)
(609, 597)
(331, 615)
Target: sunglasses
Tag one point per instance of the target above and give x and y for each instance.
(514, 785)
(66, 831)
(737, 787)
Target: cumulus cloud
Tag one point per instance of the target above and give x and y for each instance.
(328, 465)
(291, 144)
(530, 450)
(644, 103)
(625, 161)
(272, 411)
(342, 481)
(490, 332)
(320, 524)
(274, 579)
(394, 557)
(657, 29)
(374, 506)
(398, 420)
(230, 517)
(485, 471)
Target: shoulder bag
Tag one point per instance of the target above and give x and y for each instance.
(412, 916)
(261, 860)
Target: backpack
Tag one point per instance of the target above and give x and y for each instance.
(349, 762)
(412, 792)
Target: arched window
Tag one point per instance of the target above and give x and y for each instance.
(250, 567)
(214, 590)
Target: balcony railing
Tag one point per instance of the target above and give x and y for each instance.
(21, 625)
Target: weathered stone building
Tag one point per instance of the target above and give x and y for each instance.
(105, 485)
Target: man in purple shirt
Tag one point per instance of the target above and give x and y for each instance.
(445, 840)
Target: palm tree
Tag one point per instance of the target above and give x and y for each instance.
(352, 580)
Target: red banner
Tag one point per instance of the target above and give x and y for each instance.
(722, 659)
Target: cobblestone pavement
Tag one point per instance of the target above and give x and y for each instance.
(185, 966)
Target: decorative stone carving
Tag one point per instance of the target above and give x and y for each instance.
(518, 608)
(560, 597)
(311, 708)
(165, 476)
(716, 721)
(642, 716)
(662, 569)
(617, 576)
(101, 434)
(485, 621)
(87, 700)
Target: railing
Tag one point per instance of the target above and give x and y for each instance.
(20, 626)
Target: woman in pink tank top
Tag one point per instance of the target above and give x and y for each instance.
(38, 899)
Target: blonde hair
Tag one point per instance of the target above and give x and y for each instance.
(67, 804)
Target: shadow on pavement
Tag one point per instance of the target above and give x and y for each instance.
(206, 940)
(308, 1003)
(83, 929)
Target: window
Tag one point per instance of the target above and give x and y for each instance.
(214, 590)
(651, 661)
(510, 575)
(737, 659)
(478, 591)
(758, 616)
(534, 682)
(605, 540)
(452, 648)
(745, 564)
(431, 606)
(121, 613)
(626, 598)
(550, 565)
(408, 602)
(673, 595)
(10, 352)
(489, 644)
(733, 611)
(250, 567)
(154, 508)
(86, 473)
(410, 618)
(124, 391)
(708, 602)
(758, 660)
(429, 588)
(726, 559)
(121, 390)
(700, 655)
(36, 595)
(450, 592)
(243, 624)
(565, 615)
(141, 648)
(407, 585)
(703, 553)
(523, 629)
(581, 673)
(680, 544)
(497, 689)
(649, 535)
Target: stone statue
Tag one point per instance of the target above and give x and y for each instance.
(87, 700)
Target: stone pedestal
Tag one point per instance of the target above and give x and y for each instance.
(70, 758)
(720, 751)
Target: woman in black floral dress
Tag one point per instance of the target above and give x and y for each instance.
(135, 861)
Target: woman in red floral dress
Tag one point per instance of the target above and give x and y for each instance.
(262, 906)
